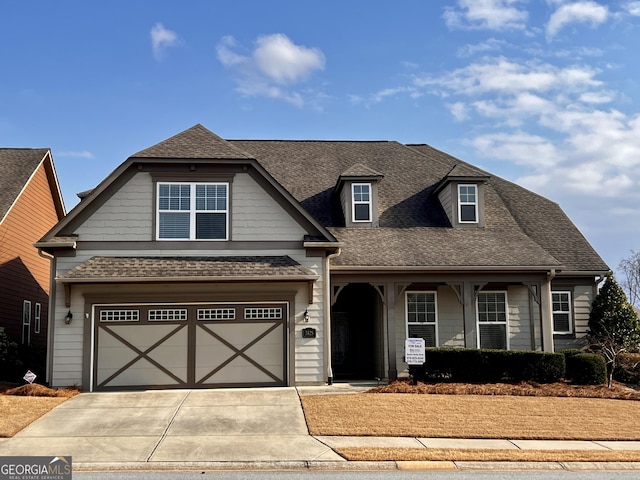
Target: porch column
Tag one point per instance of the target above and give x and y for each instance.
(390, 297)
(546, 316)
(469, 315)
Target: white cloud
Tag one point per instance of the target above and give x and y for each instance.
(275, 64)
(486, 14)
(579, 12)
(489, 45)
(161, 39)
(77, 154)
(633, 8)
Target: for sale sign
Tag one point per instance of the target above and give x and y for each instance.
(414, 353)
(35, 468)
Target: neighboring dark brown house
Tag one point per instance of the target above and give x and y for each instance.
(203, 262)
(30, 204)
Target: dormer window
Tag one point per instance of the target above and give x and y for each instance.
(468, 203)
(361, 195)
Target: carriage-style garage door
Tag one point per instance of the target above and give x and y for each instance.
(190, 346)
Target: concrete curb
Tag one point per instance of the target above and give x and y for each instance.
(346, 466)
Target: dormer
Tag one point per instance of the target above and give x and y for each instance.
(357, 189)
(461, 194)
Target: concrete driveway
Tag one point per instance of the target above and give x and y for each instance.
(155, 427)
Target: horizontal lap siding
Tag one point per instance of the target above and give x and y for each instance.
(519, 318)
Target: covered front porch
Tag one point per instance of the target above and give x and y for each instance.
(373, 314)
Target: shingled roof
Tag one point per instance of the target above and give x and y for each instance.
(17, 165)
(230, 268)
(522, 229)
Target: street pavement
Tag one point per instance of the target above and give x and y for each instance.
(261, 428)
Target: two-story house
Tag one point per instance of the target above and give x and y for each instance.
(30, 205)
(204, 262)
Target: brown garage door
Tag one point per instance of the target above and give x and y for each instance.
(190, 346)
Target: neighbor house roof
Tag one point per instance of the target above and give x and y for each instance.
(17, 166)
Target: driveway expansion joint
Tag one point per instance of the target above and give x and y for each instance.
(169, 423)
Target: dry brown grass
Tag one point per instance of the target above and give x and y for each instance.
(472, 416)
(20, 406)
(485, 455)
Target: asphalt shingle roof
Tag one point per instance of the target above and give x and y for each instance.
(158, 268)
(521, 229)
(16, 167)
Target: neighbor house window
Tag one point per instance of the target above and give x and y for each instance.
(361, 202)
(468, 203)
(492, 320)
(561, 312)
(26, 322)
(422, 317)
(193, 211)
(36, 318)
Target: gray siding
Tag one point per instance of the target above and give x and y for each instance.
(446, 200)
(129, 214)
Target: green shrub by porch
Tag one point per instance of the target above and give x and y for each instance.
(478, 365)
(587, 369)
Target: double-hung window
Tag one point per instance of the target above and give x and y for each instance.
(492, 320)
(361, 193)
(422, 316)
(193, 211)
(36, 318)
(561, 312)
(468, 203)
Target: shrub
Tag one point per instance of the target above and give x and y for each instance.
(473, 365)
(8, 354)
(628, 368)
(586, 369)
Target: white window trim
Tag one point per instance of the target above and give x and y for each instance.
(36, 319)
(461, 203)
(506, 322)
(26, 320)
(192, 212)
(406, 313)
(570, 312)
(360, 202)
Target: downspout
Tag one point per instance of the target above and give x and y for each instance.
(327, 313)
(50, 315)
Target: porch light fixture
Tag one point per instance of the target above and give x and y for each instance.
(306, 315)
(68, 317)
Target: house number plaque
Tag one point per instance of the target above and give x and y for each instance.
(308, 333)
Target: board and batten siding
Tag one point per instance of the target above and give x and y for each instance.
(305, 356)
(129, 214)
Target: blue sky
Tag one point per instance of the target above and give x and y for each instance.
(541, 92)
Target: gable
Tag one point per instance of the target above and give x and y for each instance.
(129, 213)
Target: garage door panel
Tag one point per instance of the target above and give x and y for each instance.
(144, 373)
(187, 352)
(241, 371)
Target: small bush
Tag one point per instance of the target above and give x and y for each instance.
(8, 355)
(586, 369)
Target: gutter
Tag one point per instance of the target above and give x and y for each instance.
(218, 279)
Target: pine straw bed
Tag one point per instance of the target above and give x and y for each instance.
(22, 405)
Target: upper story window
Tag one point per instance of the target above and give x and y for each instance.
(361, 194)
(193, 211)
(468, 203)
(561, 312)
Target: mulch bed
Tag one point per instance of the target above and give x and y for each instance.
(617, 391)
